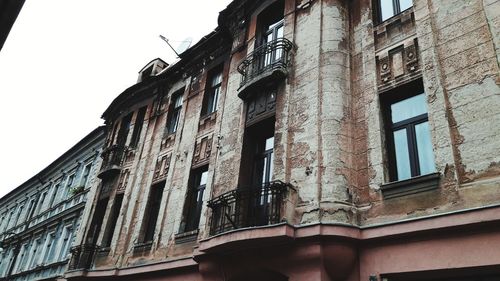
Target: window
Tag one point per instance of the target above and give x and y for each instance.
(66, 242)
(139, 121)
(152, 211)
(124, 129)
(18, 215)
(86, 173)
(212, 93)
(11, 214)
(390, 8)
(21, 258)
(53, 197)
(95, 226)
(256, 168)
(2, 228)
(409, 139)
(35, 253)
(31, 209)
(271, 29)
(69, 185)
(112, 220)
(174, 112)
(194, 199)
(41, 202)
(48, 255)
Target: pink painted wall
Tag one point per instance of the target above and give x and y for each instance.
(461, 250)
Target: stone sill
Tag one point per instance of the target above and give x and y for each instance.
(141, 248)
(396, 19)
(410, 186)
(207, 117)
(186, 237)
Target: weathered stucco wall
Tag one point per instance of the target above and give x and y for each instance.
(329, 133)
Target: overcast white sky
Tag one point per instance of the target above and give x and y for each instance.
(66, 60)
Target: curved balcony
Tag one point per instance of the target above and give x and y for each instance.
(266, 63)
(247, 207)
(111, 160)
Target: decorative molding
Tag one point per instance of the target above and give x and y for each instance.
(202, 151)
(161, 168)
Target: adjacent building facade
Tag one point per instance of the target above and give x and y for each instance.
(39, 219)
(306, 140)
(9, 10)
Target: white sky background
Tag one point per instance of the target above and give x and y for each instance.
(66, 60)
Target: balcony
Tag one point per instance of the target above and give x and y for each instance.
(247, 207)
(82, 256)
(268, 62)
(111, 160)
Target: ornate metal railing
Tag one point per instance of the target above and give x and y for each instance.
(246, 207)
(271, 57)
(111, 159)
(82, 256)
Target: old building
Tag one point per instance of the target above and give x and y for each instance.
(40, 218)
(308, 140)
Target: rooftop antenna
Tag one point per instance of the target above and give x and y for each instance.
(184, 45)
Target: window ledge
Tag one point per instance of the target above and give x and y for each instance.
(397, 18)
(185, 237)
(142, 248)
(208, 117)
(410, 186)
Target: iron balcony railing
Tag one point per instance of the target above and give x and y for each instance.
(246, 207)
(82, 256)
(268, 58)
(111, 159)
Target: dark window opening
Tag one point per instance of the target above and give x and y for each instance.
(152, 211)
(212, 92)
(124, 129)
(388, 8)
(112, 137)
(408, 136)
(139, 121)
(194, 199)
(113, 218)
(258, 154)
(97, 218)
(174, 112)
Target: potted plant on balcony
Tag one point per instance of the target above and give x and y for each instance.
(77, 190)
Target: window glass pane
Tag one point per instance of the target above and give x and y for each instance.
(402, 154)
(408, 108)
(178, 101)
(264, 168)
(405, 4)
(203, 180)
(386, 9)
(217, 79)
(279, 32)
(269, 143)
(424, 147)
(271, 167)
(275, 24)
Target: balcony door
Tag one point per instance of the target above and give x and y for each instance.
(262, 176)
(271, 28)
(272, 33)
